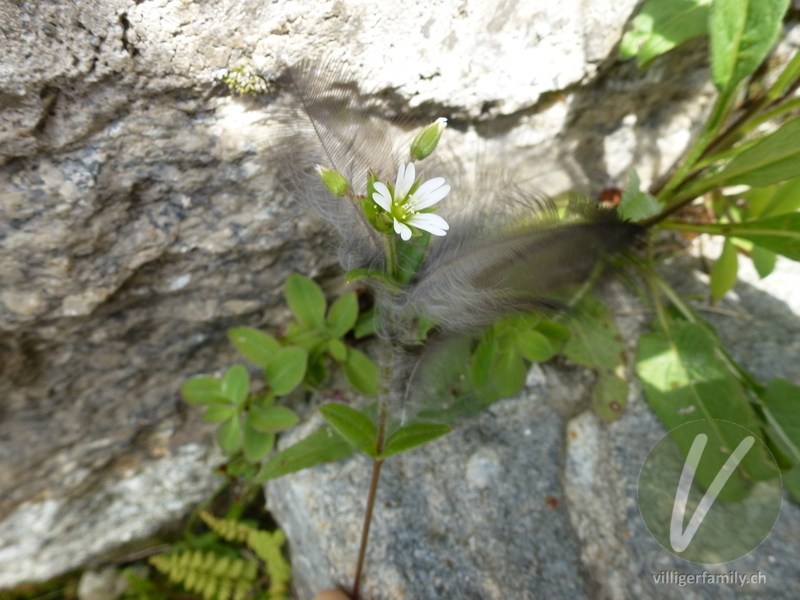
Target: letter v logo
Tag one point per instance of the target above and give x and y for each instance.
(679, 539)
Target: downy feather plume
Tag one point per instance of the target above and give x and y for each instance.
(507, 250)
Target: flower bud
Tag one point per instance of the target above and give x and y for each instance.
(427, 139)
(335, 182)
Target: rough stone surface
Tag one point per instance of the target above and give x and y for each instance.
(139, 217)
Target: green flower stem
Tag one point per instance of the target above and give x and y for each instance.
(391, 256)
(785, 81)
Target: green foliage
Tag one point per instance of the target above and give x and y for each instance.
(596, 343)
(723, 275)
(217, 575)
(635, 204)
(663, 24)
(243, 80)
(213, 577)
(324, 445)
(354, 426)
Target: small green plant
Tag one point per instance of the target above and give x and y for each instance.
(463, 308)
(225, 576)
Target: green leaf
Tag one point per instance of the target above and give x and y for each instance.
(780, 234)
(367, 324)
(257, 346)
(663, 24)
(786, 199)
(286, 370)
(635, 204)
(236, 384)
(272, 419)
(352, 425)
(219, 412)
(774, 158)
(481, 369)
(362, 373)
(555, 332)
(306, 300)
(337, 349)
(343, 315)
(356, 274)
(610, 396)
(300, 335)
(781, 405)
(203, 390)
(534, 346)
(257, 444)
(742, 33)
(595, 341)
(685, 381)
(230, 435)
(723, 274)
(324, 445)
(763, 260)
(508, 373)
(412, 436)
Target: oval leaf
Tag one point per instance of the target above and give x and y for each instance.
(236, 384)
(723, 274)
(324, 445)
(286, 370)
(271, 420)
(508, 373)
(763, 260)
(352, 425)
(413, 436)
(306, 300)
(219, 412)
(742, 33)
(257, 444)
(343, 315)
(203, 390)
(362, 373)
(337, 350)
(534, 346)
(256, 345)
(230, 435)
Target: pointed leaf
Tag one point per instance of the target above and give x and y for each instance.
(635, 204)
(742, 33)
(362, 373)
(306, 300)
(786, 199)
(203, 390)
(352, 425)
(236, 384)
(685, 381)
(256, 345)
(723, 274)
(230, 435)
(324, 445)
(781, 404)
(257, 444)
(286, 370)
(412, 436)
(663, 24)
(780, 234)
(773, 158)
(763, 260)
(271, 420)
(343, 315)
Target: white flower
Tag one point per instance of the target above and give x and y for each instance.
(405, 209)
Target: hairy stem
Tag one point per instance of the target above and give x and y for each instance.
(362, 550)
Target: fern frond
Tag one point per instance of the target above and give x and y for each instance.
(268, 547)
(229, 529)
(213, 577)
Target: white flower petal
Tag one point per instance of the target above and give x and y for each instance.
(382, 197)
(430, 222)
(405, 179)
(403, 229)
(429, 193)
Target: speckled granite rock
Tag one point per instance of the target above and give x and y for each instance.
(139, 217)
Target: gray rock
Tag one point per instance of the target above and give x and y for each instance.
(140, 215)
